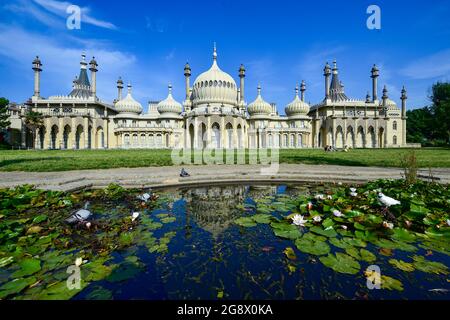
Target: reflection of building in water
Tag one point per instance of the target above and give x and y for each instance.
(214, 208)
(258, 192)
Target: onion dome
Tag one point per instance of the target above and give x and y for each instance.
(259, 106)
(37, 64)
(128, 104)
(297, 106)
(387, 103)
(93, 64)
(170, 105)
(214, 86)
(187, 69)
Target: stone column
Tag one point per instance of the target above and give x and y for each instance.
(86, 133)
(196, 133)
(60, 136)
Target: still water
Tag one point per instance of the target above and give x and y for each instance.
(210, 257)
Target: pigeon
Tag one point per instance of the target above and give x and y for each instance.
(80, 215)
(184, 173)
(134, 216)
(387, 201)
(144, 197)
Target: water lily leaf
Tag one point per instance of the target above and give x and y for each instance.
(312, 247)
(393, 244)
(100, 293)
(58, 291)
(34, 230)
(262, 218)
(440, 246)
(418, 210)
(6, 261)
(290, 254)
(353, 252)
(15, 286)
(341, 263)
(367, 256)
(402, 265)
(27, 268)
(359, 226)
(245, 222)
(391, 283)
(403, 235)
(352, 213)
(96, 271)
(167, 220)
(420, 263)
(124, 271)
(330, 232)
(40, 218)
(328, 223)
(355, 242)
(366, 235)
(340, 244)
(292, 233)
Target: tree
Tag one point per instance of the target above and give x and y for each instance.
(33, 121)
(441, 110)
(419, 128)
(4, 122)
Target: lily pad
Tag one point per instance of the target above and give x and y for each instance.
(245, 222)
(262, 218)
(15, 286)
(402, 265)
(290, 254)
(367, 256)
(389, 283)
(100, 293)
(420, 263)
(328, 232)
(341, 263)
(27, 268)
(312, 247)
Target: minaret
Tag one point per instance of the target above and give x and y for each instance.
(375, 72)
(119, 89)
(302, 90)
(327, 73)
(403, 98)
(37, 67)
(242, 78)
(385, 96)
(93, 68)
(187, 75)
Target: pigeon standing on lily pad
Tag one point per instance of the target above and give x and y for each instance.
(388, 202)
(80, 215)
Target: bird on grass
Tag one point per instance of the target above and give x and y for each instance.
(80, 215)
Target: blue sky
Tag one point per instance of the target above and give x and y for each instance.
(279, 42)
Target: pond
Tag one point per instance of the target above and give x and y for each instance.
(233, 242)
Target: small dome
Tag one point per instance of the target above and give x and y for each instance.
(259, 106)
(170, 105)
(128, 104)
(390, 105)
(297, 106)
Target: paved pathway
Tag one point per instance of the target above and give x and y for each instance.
(156, 177)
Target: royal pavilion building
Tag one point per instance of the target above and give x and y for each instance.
(214, 114)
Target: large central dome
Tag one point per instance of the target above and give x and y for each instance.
(214, 87)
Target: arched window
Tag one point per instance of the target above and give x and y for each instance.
(127, 140)
(394, 125)
(292, 140)
(135, 140)
(394, 140)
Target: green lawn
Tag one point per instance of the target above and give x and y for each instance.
(102, 159)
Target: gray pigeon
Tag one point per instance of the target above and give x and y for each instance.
(80, 215)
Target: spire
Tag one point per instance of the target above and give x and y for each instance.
(335, 68)
(368, 97)
(336, 88)
(296, 90)
(129, 88)
(215, 52)
(83, 62)
(385, 93)
(303, 89)
(259, 89)
(404, 96)
(187, 70)
(170, 89)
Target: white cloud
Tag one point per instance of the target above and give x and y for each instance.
(60, 60)
(45, 11)
(429, 67)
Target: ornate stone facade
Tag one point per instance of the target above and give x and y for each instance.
(214, 114)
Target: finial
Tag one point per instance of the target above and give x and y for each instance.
(296, 90)
(403, 93)
(129, 87)
(259, 89)
(215, 52)
(303, 85)
(170, 88)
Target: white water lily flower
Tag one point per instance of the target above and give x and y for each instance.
(299, 220)
(78, 262)
(353, 194)
(353, 189)
(388, 225)
(337, 213)
(319, 197)
(317, 219)
(134, 216)
(344, 227)
(448, 222)
(329, 197)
